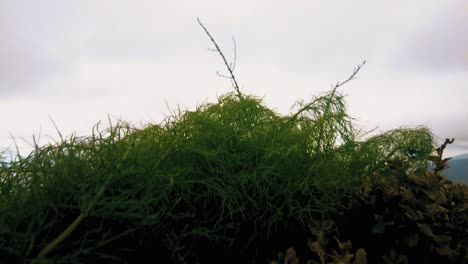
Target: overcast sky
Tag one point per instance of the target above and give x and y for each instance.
(79, 61)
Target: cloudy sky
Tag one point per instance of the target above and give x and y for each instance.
(77, 62)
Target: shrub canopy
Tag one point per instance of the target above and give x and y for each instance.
(199, 174)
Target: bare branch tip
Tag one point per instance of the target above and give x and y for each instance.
(229, 67)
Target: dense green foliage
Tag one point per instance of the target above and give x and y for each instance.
(396, 216)
(226, 174)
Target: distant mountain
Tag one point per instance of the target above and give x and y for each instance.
(458, 169)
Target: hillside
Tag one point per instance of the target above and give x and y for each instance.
(458, 169)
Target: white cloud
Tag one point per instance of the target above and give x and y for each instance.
(440, 45)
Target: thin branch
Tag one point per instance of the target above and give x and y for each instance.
(353, 75)
(231, 70)
(222, 75)
(233, 66)
(339, 84)
(336, 86)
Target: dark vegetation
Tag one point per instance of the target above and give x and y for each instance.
(234, 182)
(396, 216)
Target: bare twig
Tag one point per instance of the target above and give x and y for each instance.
(230, 69)
(353, 76)
(356, 70)
(336, 86)
(233, 65)
(222, 75)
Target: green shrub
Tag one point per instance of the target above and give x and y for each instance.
(228, 178)
(398, 216)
